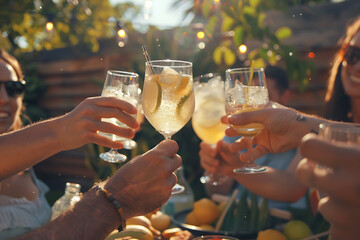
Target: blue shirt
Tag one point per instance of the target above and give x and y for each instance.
(279, 161)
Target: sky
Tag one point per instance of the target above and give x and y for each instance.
(161, 13)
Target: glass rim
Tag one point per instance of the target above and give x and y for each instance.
(154, 63)
(122, 73)
(215, 236)
(340, 126)
(243, 70)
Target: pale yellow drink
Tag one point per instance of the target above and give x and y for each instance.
(209, 108)
(251, 129)
(168, 100)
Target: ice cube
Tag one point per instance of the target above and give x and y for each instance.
(169, 76)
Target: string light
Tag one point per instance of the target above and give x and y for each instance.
(49, 26)
(200, 35)
(311, 54)
(242, 48)
(121, 36)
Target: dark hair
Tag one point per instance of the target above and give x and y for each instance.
(337, 103)
(280, 77)
(13, 62)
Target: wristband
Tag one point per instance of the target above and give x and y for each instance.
(117, 206)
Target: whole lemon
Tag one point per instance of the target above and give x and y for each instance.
(160, 221)
(270, 234)
(206, 211)
(191, 219)
(296, 229)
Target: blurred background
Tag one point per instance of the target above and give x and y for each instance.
(66, 47)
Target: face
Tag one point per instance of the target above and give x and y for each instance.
(10, 107)
(274, 93)
(350, 74)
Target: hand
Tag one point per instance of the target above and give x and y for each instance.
(80, 126)
(281, 131)
(219, 159)
(341, 206)
(145, 183)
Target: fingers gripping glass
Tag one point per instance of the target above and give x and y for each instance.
(124, 86)
(14, 88)
(246, 91)
(352, 55)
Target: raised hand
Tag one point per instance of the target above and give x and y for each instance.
(145, 183)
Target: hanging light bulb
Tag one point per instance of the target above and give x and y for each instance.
(49, 26)
(121, 35)
(242, 48)
(147, 9)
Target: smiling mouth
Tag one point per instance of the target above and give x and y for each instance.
(4, 115)
(355, 79)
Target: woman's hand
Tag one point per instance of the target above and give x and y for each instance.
(283, 130)
(80, 126)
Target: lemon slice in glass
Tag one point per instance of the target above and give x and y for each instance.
(153, 95)
(183, 101)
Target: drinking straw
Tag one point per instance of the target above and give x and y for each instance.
(147, 57)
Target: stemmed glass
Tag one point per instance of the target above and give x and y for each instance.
(343, 133)
(122, 85)
(130, 144)
(245, 90)
(209, 108)
(168, 97)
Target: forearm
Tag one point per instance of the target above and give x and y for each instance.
(305, 123)
(26, 147)
(274, 184)
(94, 217)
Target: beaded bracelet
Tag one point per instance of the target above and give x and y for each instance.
(116, 205)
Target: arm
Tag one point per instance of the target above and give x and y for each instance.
(274, 184)
(283, 130)
(34, 143)
(140, 186)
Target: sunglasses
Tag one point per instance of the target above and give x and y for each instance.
(14, 88)
(352, 55)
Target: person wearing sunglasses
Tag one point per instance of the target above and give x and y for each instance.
(22, 195)
(342, 100)
(24, 212)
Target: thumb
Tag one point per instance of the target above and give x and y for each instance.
(167, 147)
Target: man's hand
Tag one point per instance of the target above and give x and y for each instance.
(145, 183)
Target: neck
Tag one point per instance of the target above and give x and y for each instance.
(355, 109)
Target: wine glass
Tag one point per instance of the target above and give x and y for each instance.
(245, 90)
(343, 133)
(209, 108)
(168, 97)
(122, 85)
(128, 143)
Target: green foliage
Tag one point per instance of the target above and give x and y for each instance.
(242, 22)
(316, 222)
(245, 217)
(23, 25)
